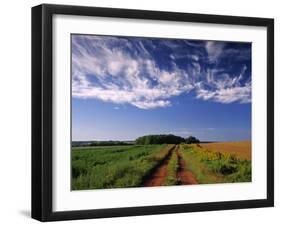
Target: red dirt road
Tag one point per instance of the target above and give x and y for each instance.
(159, 175)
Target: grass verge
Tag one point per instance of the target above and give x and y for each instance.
(215, 167)
(172, 168)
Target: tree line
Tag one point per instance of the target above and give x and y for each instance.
(165, 139)
(144, 140)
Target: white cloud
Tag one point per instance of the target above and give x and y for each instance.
(123, 78)
(104, 69)
(222, 88)
(214, 49)
(151, 104)
(227, 95)
(194, 57)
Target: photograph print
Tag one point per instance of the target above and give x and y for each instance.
(159, 112)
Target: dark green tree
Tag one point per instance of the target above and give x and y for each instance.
(160, 139)
(192, 140)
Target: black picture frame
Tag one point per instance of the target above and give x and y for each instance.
(42, 111)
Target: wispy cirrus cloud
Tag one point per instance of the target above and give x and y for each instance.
(221, 87)
(148, 73)
(214, 49)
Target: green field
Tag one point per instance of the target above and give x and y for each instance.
(154, 165)
(113, 167)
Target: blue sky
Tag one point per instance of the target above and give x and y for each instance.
(125, 87)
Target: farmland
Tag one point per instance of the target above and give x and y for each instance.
(102, 167)
(215, 166)
(241, 149)
(113, 167)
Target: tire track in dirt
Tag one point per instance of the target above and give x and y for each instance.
(160, 172)
(184, 177)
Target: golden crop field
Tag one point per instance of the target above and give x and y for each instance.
(242, 149)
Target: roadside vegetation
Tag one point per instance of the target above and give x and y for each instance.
(172, 169)
(215, 167)
(113, 167)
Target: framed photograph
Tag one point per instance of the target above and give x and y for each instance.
(146, 112)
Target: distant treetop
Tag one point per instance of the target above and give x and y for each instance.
(192, 140)
(160, 139)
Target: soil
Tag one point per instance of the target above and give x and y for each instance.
(159, 174)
